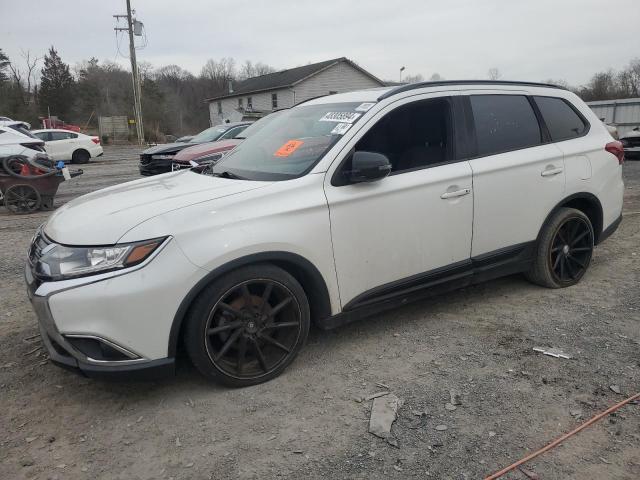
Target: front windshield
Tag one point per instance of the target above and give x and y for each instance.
(255, 126)
(291, 143)
(209, 135)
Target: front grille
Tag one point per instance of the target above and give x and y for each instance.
(38, 244)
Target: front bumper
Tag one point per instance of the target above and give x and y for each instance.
(149, 166)
(63, 354)
(115, 324)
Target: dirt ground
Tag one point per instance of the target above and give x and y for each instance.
(308, 423)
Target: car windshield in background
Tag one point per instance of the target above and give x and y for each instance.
(290, 144)
(209, 135)
(254, 127)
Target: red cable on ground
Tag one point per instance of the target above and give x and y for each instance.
(562, 438)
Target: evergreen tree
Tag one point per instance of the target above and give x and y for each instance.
(56, 86)
(4, 65)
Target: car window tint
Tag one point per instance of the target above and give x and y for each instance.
(44, 136)
(562, 120)
(59, 136)
(415, 135)
(503, 123)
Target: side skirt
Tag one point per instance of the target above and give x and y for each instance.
(499, 263)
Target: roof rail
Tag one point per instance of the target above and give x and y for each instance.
(413, 86)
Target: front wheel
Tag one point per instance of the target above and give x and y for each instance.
(564, 250)
(247, 327)
(80, 156)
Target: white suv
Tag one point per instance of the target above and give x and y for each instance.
(341, 207)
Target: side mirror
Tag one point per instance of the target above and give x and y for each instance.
(368, 167)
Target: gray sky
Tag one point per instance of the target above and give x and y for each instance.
(525, 39)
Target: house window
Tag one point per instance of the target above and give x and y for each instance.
(274, 100)
(219, 108)
(240, 103)
(249, 103)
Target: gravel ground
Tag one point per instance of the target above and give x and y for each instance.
(310, 423)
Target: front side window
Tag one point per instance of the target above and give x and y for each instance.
(562, 121)
(290, 143)
(274, 100)
(504, 123)
(416, 135)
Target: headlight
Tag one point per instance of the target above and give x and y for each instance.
(209, 159)
(59, 262)
(162, 157)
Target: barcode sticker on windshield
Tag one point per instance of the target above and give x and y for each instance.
(340, 129)
(288, 148)
(340, 117)
(364, 107)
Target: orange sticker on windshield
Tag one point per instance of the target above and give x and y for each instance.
(288, 148)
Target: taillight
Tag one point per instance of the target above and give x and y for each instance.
(96, 140)
(616, 149)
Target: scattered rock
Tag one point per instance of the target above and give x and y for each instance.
(575, 413)
(450, 407)
(441, 428)
(530, 474)
(61, 465)
(178, 442)
(492, 433)
(27, 462)
(299, 452)
(393, 442)
(456, 399)
(397, 468)
(615, 389)
(30, 439)
(189, 465)
(383, 414)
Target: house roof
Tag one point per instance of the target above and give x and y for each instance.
(285, 78)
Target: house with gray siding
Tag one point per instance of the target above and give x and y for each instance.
(258, 96)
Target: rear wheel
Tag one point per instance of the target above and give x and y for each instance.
(80, 156)
(248, 326)
(564, 250)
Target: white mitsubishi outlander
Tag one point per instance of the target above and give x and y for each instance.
(340, 207)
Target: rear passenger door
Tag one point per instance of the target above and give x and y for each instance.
(517, 177)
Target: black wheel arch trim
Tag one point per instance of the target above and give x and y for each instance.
(589, 197)
(302, 269)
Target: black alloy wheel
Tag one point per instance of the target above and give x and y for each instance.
(571, 250)
(563, 250)
(246, 328)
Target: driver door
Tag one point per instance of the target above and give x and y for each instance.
(403, 232)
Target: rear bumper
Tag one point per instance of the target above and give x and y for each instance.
(607, 232)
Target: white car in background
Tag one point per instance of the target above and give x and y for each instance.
(69, 146)
(16, 140)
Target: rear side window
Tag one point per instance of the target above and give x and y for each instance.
(503, 123)
(562, 121)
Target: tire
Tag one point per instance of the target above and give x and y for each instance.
(80, 156)
(564, 250)
(234, 337)
(21, 199)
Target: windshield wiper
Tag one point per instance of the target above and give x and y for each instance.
(227, 174)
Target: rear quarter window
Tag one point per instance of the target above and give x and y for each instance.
(561, 119)
(504, 123)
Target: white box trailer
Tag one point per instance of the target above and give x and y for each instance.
(624, 114)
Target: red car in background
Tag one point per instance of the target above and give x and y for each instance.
(211, 152)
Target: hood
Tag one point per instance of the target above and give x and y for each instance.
(167, 148)
(104, 216)
(197, 151)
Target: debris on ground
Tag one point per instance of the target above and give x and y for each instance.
(441, 428)
(552, 352)
(450, 407)
(376, 395)
(615, 389)
(383, 414)
(529, 474)
(455, 398)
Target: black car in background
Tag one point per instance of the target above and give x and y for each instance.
(158, 159)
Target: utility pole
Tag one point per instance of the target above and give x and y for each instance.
(135, 75)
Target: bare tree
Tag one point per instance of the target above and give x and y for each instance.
(494, 74)
(27, 77)
(414, 78)
(436, 77)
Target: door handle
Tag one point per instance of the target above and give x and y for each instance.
(551, 171)
(457, 193)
